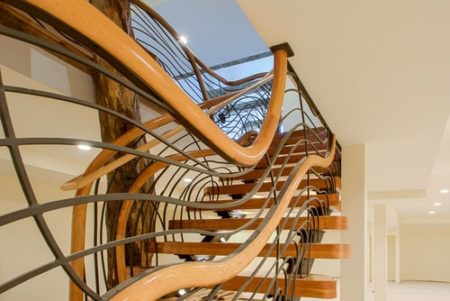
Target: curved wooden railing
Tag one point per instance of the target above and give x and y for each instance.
(101, 166)
(172, 278)
(188, 138)
(195, 61)
(81, 17)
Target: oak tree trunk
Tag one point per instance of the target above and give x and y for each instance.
(114, 96)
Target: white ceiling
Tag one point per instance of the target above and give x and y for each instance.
(217, 31)
(379, 71)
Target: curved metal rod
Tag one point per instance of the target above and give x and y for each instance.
(210, 106)
(169, 279)
(127, 205)
(79, 18)
(137, 185)
(192, 57)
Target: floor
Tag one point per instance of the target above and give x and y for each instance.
(412, 291)
(418, 291)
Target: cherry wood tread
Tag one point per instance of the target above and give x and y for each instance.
(280, 160)
(286, 171)
(265, 187)
(257, 203)
(312, 286)
(326, 223)
(312, 147)
(300, 134)
(315, 250)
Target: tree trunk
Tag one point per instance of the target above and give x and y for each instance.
(114, 96)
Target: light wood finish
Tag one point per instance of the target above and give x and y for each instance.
(312, 286)
(334, 182)
(313, 147)
(326, 223)
(316, 250)
(78, 232)
(192, 57)
(127, 205)
(106, 154)
(79, 212)
(147, 173)
(311, 134)
(283, 159)
(257, 203)
(322, 170)
(257, 173)
(172, 278)
(81, 16)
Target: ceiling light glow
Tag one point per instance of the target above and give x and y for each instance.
(187, 180)
(183, 40)
(437, 204)
(431, 212)
(444, 190)
(84, 147)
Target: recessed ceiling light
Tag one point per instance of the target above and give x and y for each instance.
(445, 190)
(437, 204)
(187, 180)
(431, 212)
(183, 40)
(84, 147)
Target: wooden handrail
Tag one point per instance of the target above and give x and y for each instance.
(97, 168)
(138, 183)
(79, 212)
(78, 234)
(81, 17)
(77, 16)
(211, 106)
(127, 205)
(172, 278)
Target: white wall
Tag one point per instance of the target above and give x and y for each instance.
(42, 67)
(391, 257)
(425, 252)
(24, 249)
(22, 245)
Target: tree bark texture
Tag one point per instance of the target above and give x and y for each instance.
(114, 96)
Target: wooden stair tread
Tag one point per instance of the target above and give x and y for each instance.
(326, 223)
(286, 171)
(312, 286)
(327, 170)
(312, 147)
(292, 159)
(334, 182)
(256, 203)
(300, 134)
(316, 250)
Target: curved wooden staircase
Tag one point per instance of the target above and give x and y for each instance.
(214, 202)
(313, 286)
